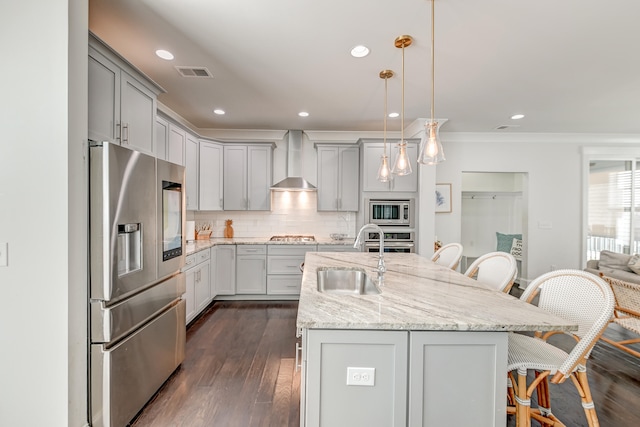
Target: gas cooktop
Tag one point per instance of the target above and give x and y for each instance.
(292, 238)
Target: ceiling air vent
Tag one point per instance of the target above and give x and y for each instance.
(502, 127)
(194, 72)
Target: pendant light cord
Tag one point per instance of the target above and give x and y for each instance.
(386, 79)
(402, 119)
(433, 62)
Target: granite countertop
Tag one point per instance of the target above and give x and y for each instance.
(417, 295)
(199, 245)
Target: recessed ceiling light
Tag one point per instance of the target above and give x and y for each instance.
(303, 114)
(359, 51)
(218, 111)
(517, 116)
(164, 54)
(393, 115)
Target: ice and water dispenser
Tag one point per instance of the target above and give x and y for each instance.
(129, 248)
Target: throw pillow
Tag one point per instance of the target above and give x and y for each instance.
(505, 241)
(634, 264)
(614, 261)
(516, 249)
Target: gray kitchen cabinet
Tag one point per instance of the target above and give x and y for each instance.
(177, 141)
(161, 138)
(434, 392)
(413, 384)
(247, 177)
(198, 285)
(284, 268)
(225, 278)
(251, 270)
(191, 171)
(213, 259)
(371, 154)
(122, 101)
(210, 180)
(338, 177)
(342, 361)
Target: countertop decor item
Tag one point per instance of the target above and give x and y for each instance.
(228, 229)
(338, 236)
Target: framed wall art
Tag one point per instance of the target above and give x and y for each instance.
(443, 198)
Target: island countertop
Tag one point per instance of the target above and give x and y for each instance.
(417, 295)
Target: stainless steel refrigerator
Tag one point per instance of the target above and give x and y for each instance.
(136, 312)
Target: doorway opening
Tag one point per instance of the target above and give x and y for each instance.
(494, 216)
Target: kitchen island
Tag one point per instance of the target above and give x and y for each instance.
(429, 350)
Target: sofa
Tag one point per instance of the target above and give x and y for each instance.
(615, 265)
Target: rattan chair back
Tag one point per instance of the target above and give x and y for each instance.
(448, 256)
(496, 269)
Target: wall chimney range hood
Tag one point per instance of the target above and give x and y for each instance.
(294, 180)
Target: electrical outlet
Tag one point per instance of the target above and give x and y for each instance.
(361, 376)
(4, 248)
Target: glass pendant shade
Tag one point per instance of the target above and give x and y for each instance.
(431, 152)
(384, 174)
(402, 165)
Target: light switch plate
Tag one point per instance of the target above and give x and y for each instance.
(4, 248)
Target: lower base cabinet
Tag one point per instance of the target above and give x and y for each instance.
(198, 284)
(420, 378)
(225, 278)
(251, 270)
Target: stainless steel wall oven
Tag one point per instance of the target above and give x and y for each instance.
(394, 242)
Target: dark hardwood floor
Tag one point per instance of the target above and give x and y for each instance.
(239, 371)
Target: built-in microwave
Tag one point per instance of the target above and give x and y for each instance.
(395, 212)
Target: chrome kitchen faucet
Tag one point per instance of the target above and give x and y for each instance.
(358, 244)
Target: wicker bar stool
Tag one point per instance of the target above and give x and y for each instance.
(626, 313)
(577, 296)
(449, 255)
(496, 269)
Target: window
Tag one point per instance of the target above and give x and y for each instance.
(613, 207)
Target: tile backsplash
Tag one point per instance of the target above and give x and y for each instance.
(292, 212)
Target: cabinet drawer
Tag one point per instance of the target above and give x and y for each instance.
(284, 284)
(290, 249)
(251, 250)
(203, 256)
(189, 261)
(284, 264)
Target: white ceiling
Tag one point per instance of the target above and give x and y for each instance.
(568, 65)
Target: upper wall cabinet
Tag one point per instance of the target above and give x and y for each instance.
(122, 102)
(191, 172)
(161, 138)
(210, 176)
(176, 143)
(372, 150)
(247, 177)
(338, 177)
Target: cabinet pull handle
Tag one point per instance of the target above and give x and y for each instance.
(298, 358)
(125, 132)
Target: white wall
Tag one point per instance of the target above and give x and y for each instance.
(554, 191)
(42, 328)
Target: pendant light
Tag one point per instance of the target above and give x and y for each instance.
(402, 165)
(431, 152)
(384, 173)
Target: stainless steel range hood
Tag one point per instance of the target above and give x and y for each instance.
(294, 180)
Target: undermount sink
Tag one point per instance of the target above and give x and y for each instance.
(350, 281)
